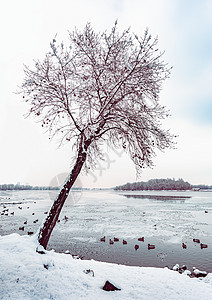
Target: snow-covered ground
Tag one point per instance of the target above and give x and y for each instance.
(26, 274)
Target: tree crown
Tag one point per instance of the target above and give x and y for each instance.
(102, 87)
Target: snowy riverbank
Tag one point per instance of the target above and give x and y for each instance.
(26, 274)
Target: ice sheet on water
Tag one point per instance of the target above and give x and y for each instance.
(111, 213)
(84, 239)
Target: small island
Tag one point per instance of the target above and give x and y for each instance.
(162, 184)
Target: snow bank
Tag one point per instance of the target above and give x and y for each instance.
(26, 274)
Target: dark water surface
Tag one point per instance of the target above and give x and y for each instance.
(165, 219)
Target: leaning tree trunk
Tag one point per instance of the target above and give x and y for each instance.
(53, 215)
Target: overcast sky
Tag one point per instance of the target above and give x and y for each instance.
(184, 29)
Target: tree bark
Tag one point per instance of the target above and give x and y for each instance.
(53, 215)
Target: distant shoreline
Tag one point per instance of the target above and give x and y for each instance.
(105, 189)
(163, 184)
(164, 190)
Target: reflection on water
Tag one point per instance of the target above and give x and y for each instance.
(160, 197)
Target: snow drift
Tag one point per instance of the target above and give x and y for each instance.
(26, 274)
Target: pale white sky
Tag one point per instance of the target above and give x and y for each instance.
(184, 29)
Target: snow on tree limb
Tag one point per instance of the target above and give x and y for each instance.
(102, 87)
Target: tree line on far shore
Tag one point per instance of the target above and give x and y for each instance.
(161, 184)
(12, 187)
(152, 184)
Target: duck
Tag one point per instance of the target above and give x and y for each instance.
(25, 222)
(65, 218)
(141, 239)
(116, 239)
(124, 242)
(102, 239)
(21, 228)
(184, 246)
(151, 246)
(196, 241)
(203, 246)
(111, 242)
(136, 247)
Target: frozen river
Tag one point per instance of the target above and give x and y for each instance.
(164, 219)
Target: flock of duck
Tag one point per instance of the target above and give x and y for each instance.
(5, 212)
(124, 242)
(202, 246)
(149, 246)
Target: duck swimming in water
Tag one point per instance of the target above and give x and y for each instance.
(151, 246)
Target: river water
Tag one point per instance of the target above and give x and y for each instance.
(165, 219)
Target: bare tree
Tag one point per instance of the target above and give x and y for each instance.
(104, 87)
